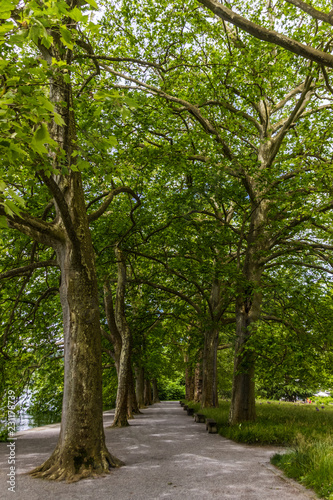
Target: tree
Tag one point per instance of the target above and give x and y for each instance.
(251, 146)
(81, 449)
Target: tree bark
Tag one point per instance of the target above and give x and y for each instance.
(81, 449)
(114, 334)
(120, 417)
(209, 369)
(243, 390)
(132, 404)
(147, 392)
(156, 398)
(248, 306)
(139, 386)
(189, 380)
(198, 379)
(211, 341)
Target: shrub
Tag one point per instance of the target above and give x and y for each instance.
(171, 390)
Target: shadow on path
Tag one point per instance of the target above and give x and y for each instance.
(167, 456)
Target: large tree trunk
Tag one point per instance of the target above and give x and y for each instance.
(248, 306)
(209, 361)
(156, 398)
(140, 386)
(209, 364)
(81, 449)
(243, 389)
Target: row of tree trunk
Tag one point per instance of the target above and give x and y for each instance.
(130, 396)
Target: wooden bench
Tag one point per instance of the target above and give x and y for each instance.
(190, 411)
(199, 417)
(211, 426)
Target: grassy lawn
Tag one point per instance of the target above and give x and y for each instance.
(306, 430)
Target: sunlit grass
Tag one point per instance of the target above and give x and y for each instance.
(311, 463)
(277, 423)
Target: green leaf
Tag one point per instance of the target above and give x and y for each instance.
(76, 14)
(40, 138)
(5, 15)
(3, 222)
(125, 114)
(47, 41)
(66, 37)
(131, 102)
(58, 119)
(3, 185)
(112, 140)
(46, 103)
(66, 34)
(11, 208)
(41, 134)
(83, 164)
(67, 78)
(16, 197)
(4, 28)
(35, 33)
(92, 3)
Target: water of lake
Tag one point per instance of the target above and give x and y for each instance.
(26, 421)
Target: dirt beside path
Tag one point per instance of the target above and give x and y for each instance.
(167, 456)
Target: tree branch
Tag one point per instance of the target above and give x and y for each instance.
(269, 35)
(37, 229)
(27, 269)
(100, 211)
(169, 290)
(316, 14)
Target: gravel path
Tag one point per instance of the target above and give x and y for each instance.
(167, 456)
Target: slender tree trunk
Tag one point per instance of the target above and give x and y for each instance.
(120, 416)
(114, 335)
(139, 386)
(209, 379)
(115, 338)
(189, 380)
(198, 379)
(147, 392)
(156, 398)
(132, 404)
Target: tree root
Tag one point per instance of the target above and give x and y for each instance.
(55, 469)
(118, 424)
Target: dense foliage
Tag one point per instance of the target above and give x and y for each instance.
(204, 155)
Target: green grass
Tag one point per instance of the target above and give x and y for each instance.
(310, 463)
(306, 431)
